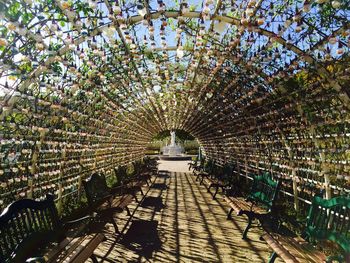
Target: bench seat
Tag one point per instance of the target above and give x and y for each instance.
(239, 205)
(327, 220)
(293, 249)
(76, 250)
(216, 177)
(106, 201)
(31, 231)
(122, 201)
(213, 183)
(259, 204)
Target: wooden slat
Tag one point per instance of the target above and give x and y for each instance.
(86, 249)
(57, 250)
(297, 249)
(238, 204)
(281, 252)
(304, 251)
(123, 201)
(73, 249)
(208, 181)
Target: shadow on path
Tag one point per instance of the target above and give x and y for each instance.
(177, 221)
(142, 237)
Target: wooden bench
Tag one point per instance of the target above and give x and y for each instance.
(217, 179)
(142, 172)
(104, 200)
(131, 185)
(205, 170)
(259, 204)
(196, 165)
(30, 229)
(151, 165)
(327, 220)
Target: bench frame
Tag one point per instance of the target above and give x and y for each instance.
(197, 164)
(131, 184)
(27, 225)
(216, 180)
(204, 170)
(142, 172)
(98, 194)
(263, 192)
(324, 222)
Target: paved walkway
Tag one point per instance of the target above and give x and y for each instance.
(178, 221)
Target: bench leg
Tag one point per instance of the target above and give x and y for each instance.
(250, 221)
(134, 195)
(93, 258)
(273, 257)
(216, 191)
(229, 213)
(201, 182)
(222, 189)
(115, 225)
(128, 211)
(197, 177)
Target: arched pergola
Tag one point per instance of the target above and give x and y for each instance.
(85, 85)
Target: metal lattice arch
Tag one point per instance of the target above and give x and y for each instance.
(249, 94)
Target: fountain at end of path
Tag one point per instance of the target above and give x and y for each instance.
(173, 151)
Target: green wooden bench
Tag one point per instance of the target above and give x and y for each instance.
(259, 204)
(327, 220)
(106, 201)
(217, 179)
(131, 184)
(196, 164)
(31, 231)
(151, 165)
(206, 169)
(141, 172)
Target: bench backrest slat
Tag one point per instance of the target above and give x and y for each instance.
(138, 167)
(228, 169)
(22, 221)
(224, 173)
(121, 174)
(330, 220)
(209, 166)
(264, 190)
(96, 188)
(34, 223)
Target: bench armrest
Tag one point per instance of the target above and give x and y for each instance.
(231, 190)
(72, 223)
(36, 260)
(117, 190)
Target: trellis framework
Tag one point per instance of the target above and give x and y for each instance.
(86, 84)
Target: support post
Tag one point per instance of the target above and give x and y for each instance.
(246, 169)
(34, 166)
(60, 186)
(30, 188)
(295, 190)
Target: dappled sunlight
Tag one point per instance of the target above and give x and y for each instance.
(177, 221)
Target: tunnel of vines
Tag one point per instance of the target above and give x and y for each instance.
(86, 84)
